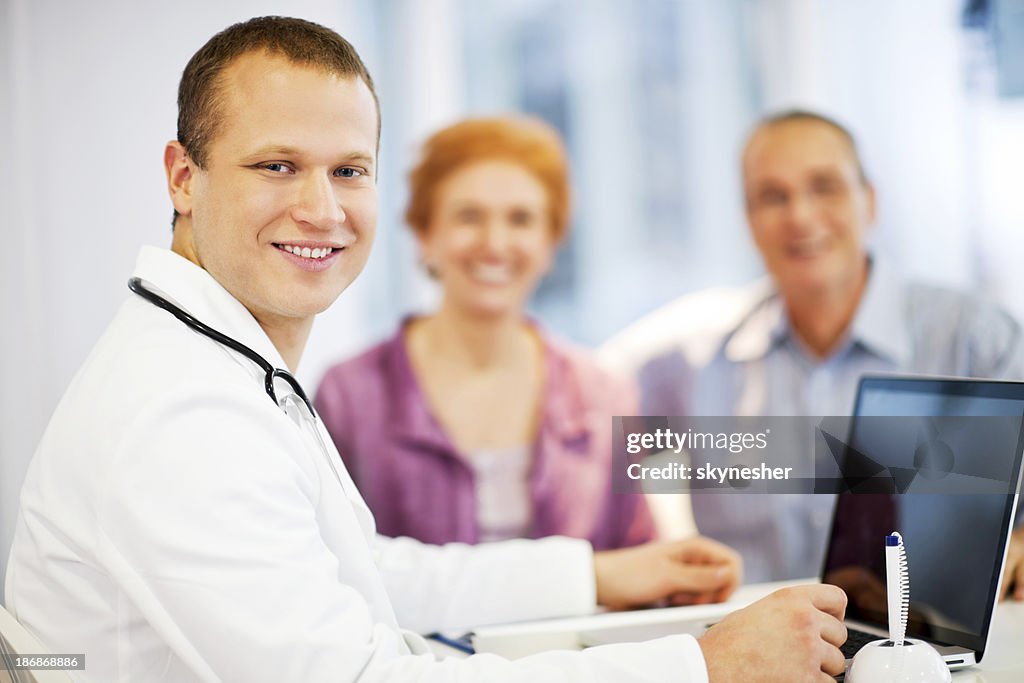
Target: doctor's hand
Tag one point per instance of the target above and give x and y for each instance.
(791, 636)
(690, 571)
(1013, 575)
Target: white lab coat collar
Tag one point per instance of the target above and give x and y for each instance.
(193, 289)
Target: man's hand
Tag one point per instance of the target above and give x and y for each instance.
(792, 636)
(1013, 575)
(864, 590)
(691, 571)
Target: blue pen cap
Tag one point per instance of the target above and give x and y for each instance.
(891, 541)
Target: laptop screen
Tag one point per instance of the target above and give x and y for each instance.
(955, 541)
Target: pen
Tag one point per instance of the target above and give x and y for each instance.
(897, 587)
(462, 643)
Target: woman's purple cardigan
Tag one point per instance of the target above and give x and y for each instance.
(417, 483)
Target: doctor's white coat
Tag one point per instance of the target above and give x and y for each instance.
(175, 525)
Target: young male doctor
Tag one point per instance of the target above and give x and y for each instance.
(186, 517)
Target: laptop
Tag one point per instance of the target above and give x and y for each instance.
(956, 540)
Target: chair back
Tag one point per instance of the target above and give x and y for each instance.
(15, 640)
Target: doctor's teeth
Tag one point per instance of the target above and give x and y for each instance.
(306, 252)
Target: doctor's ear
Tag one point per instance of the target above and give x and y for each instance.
(180, 173)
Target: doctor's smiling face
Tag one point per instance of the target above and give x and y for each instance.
(283, 210)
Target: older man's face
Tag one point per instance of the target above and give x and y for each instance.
(808, 208)
(284, 213)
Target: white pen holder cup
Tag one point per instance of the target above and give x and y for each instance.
(912, 662)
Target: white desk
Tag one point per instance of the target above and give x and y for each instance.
(1003, 661)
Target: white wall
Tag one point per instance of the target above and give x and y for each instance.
(894, 73)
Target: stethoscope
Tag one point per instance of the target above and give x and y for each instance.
(270, 372)
(291, 407)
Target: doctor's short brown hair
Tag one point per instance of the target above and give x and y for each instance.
(300, 41)
(528, 142)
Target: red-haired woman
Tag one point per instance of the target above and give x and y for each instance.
(472, 424)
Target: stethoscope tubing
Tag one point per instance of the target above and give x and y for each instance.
(190, 321)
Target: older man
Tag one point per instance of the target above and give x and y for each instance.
(797, 342)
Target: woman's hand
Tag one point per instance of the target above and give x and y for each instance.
(691, 571)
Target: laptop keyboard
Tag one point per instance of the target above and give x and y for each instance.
(855, 640)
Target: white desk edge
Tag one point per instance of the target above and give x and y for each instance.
(1003, 661)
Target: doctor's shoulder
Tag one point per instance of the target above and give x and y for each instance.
(149, 354)
(151, 375)
(156, 408)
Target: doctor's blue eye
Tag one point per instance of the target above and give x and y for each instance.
(275, 167)
(348, 172)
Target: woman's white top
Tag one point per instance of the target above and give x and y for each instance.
(503, 507)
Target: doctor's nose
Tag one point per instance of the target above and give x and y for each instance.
(318, 204)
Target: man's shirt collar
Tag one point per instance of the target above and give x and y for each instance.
(878, 324)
